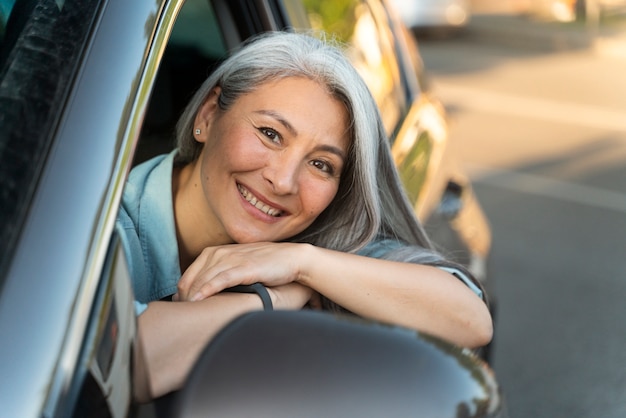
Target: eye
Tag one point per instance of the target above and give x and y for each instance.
(271, 135)
(323, 166)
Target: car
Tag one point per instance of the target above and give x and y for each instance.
(434, 17)
(582, 10)
(90, 88)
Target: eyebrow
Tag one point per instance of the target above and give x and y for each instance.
(279, 119)
(292, 130)
(332, 149)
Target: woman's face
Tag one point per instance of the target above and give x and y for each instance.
(272, 162)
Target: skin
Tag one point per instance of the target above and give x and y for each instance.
(275, 145)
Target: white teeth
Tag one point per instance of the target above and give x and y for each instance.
(258, 204)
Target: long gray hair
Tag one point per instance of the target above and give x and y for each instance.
(370, 200)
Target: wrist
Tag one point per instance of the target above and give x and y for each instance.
(273, 297)
(257, 288)
(308, 255)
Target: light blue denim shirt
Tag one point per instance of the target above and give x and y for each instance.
(381, 246)
(146, 227)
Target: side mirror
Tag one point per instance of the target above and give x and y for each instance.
(312, 364)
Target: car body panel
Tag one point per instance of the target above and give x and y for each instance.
(260, 354)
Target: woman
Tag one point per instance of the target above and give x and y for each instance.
(281, 175)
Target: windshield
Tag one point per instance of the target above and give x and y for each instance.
(41, 42)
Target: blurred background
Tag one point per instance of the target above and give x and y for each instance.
(536, 95)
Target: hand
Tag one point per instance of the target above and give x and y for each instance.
(218, 268)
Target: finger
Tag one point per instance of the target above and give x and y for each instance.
(190, 275)
(209, 286)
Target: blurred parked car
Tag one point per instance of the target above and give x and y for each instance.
(570, 10)
(88, 88)
(439, 17)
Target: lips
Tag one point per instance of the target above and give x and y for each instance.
(254, 201)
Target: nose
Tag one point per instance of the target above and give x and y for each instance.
(282, 172)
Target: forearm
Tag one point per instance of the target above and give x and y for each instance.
(421, 297)
(173, 334)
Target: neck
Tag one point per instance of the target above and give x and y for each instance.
(195, 229)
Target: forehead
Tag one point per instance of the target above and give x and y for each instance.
(305, 104)
(289, 86)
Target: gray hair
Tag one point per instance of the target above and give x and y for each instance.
(370, 200)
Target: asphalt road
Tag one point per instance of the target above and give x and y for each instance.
(543, 134)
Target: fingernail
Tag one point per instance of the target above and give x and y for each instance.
(196, 297)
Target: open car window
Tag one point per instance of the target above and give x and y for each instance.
(195, 47)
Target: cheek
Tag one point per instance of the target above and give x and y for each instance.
(318, 196)
(234, 150)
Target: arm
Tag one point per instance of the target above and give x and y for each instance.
(173, 334)
(421, 297)
(416, 296)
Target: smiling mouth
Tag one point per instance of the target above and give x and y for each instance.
(250, 198)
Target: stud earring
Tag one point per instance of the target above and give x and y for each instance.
(197, 131)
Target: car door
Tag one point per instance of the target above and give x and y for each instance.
(74, 81)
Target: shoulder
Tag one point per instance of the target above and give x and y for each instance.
(380, 246)
(145, 177)
(139, 176)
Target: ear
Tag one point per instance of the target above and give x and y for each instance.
(205, 115)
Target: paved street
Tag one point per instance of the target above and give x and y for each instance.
(543, 133)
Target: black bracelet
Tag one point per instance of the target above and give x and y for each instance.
(257, 288)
